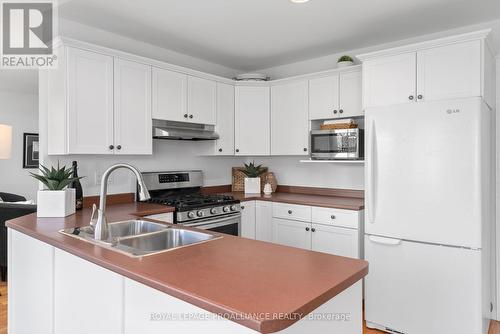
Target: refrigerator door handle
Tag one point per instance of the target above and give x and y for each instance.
(370, 172)
(384, 241)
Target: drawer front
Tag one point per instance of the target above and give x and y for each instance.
(292, 211)
(163, 217)
(335, 217)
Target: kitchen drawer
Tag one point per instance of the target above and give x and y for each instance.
(163, 217)
(335, 217)
(292, 211)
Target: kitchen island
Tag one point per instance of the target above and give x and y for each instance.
(59, 284)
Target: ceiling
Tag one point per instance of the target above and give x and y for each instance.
(255, 34)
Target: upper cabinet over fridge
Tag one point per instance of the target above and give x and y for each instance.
(447, 68)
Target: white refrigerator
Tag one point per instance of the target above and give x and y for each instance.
(429, 213)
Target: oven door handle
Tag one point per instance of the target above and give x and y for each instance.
(216, 222)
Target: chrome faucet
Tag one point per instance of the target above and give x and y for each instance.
(101, 229)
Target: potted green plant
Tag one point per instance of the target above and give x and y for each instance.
(56, 200)
(344, 61)
(252, 179)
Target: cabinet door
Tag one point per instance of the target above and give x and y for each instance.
(289, 119)
(133, 123)
(30, 306)
(101, 300)
(389, 80)
(324, 97)
(169, 95)
(201, 100)
(451, 71)
(90, 102)
(335, 240)
(264, 221)
(225, 119)
(248, 219)
(350, 95)
(252, 131)
(292, 233)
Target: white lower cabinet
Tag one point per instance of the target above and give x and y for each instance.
(331, 231)
(264, 221)
(248, 219)
(87, 297)
(335, 240)
(30, 279)
(292, 233)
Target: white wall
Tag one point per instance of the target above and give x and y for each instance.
(19, 110)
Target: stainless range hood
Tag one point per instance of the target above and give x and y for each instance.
(183, 130)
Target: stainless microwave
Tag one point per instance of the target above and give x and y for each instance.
(337, 144)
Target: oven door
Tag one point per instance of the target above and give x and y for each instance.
(335, 144)
(230, 224)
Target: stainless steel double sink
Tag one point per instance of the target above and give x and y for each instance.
(139, 238)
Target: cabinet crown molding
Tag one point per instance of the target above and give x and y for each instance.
(470, 36)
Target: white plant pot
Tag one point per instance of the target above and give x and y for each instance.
(56, 203)
(252, 185)
(342, 64)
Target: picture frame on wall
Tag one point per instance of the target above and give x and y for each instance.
(31, 150)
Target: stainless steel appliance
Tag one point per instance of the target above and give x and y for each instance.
(183, 130)
(337, 144)
(182, 190)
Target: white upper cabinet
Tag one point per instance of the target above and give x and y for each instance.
(350, 94)
(89, 102)
(451, 71)
(225, 119)
(289, 119)
(132, 116)
(169, 95)
(449, 68)
(324, 101)
(389, 80)
(252, 124)
(201, 103)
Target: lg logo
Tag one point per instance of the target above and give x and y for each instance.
(452, 111)
(27, 28)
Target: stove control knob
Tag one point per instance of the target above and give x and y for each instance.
(199, 213)
(226, 209)
(191, 214)
(233, 207)
(213, 211)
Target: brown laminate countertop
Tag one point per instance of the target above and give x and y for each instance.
(337, 202)
(230, 275)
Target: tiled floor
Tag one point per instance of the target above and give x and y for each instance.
(495, 326)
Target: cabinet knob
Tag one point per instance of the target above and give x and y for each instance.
(119, 147)
(341, 111)
(313, 230)
(335, 111)
(220, 149)
(420, 97)
(307, 229)
(242, 207)
(289, 212)
(411, 97)
(111, 147)
(305, 149)
(237, 150)
(185, 115)
(332, 216)
(190, 116)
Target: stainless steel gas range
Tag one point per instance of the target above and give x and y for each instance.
(182, 190)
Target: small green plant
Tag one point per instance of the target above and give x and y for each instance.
(253, 171)
(55, 179)
(344, 58)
